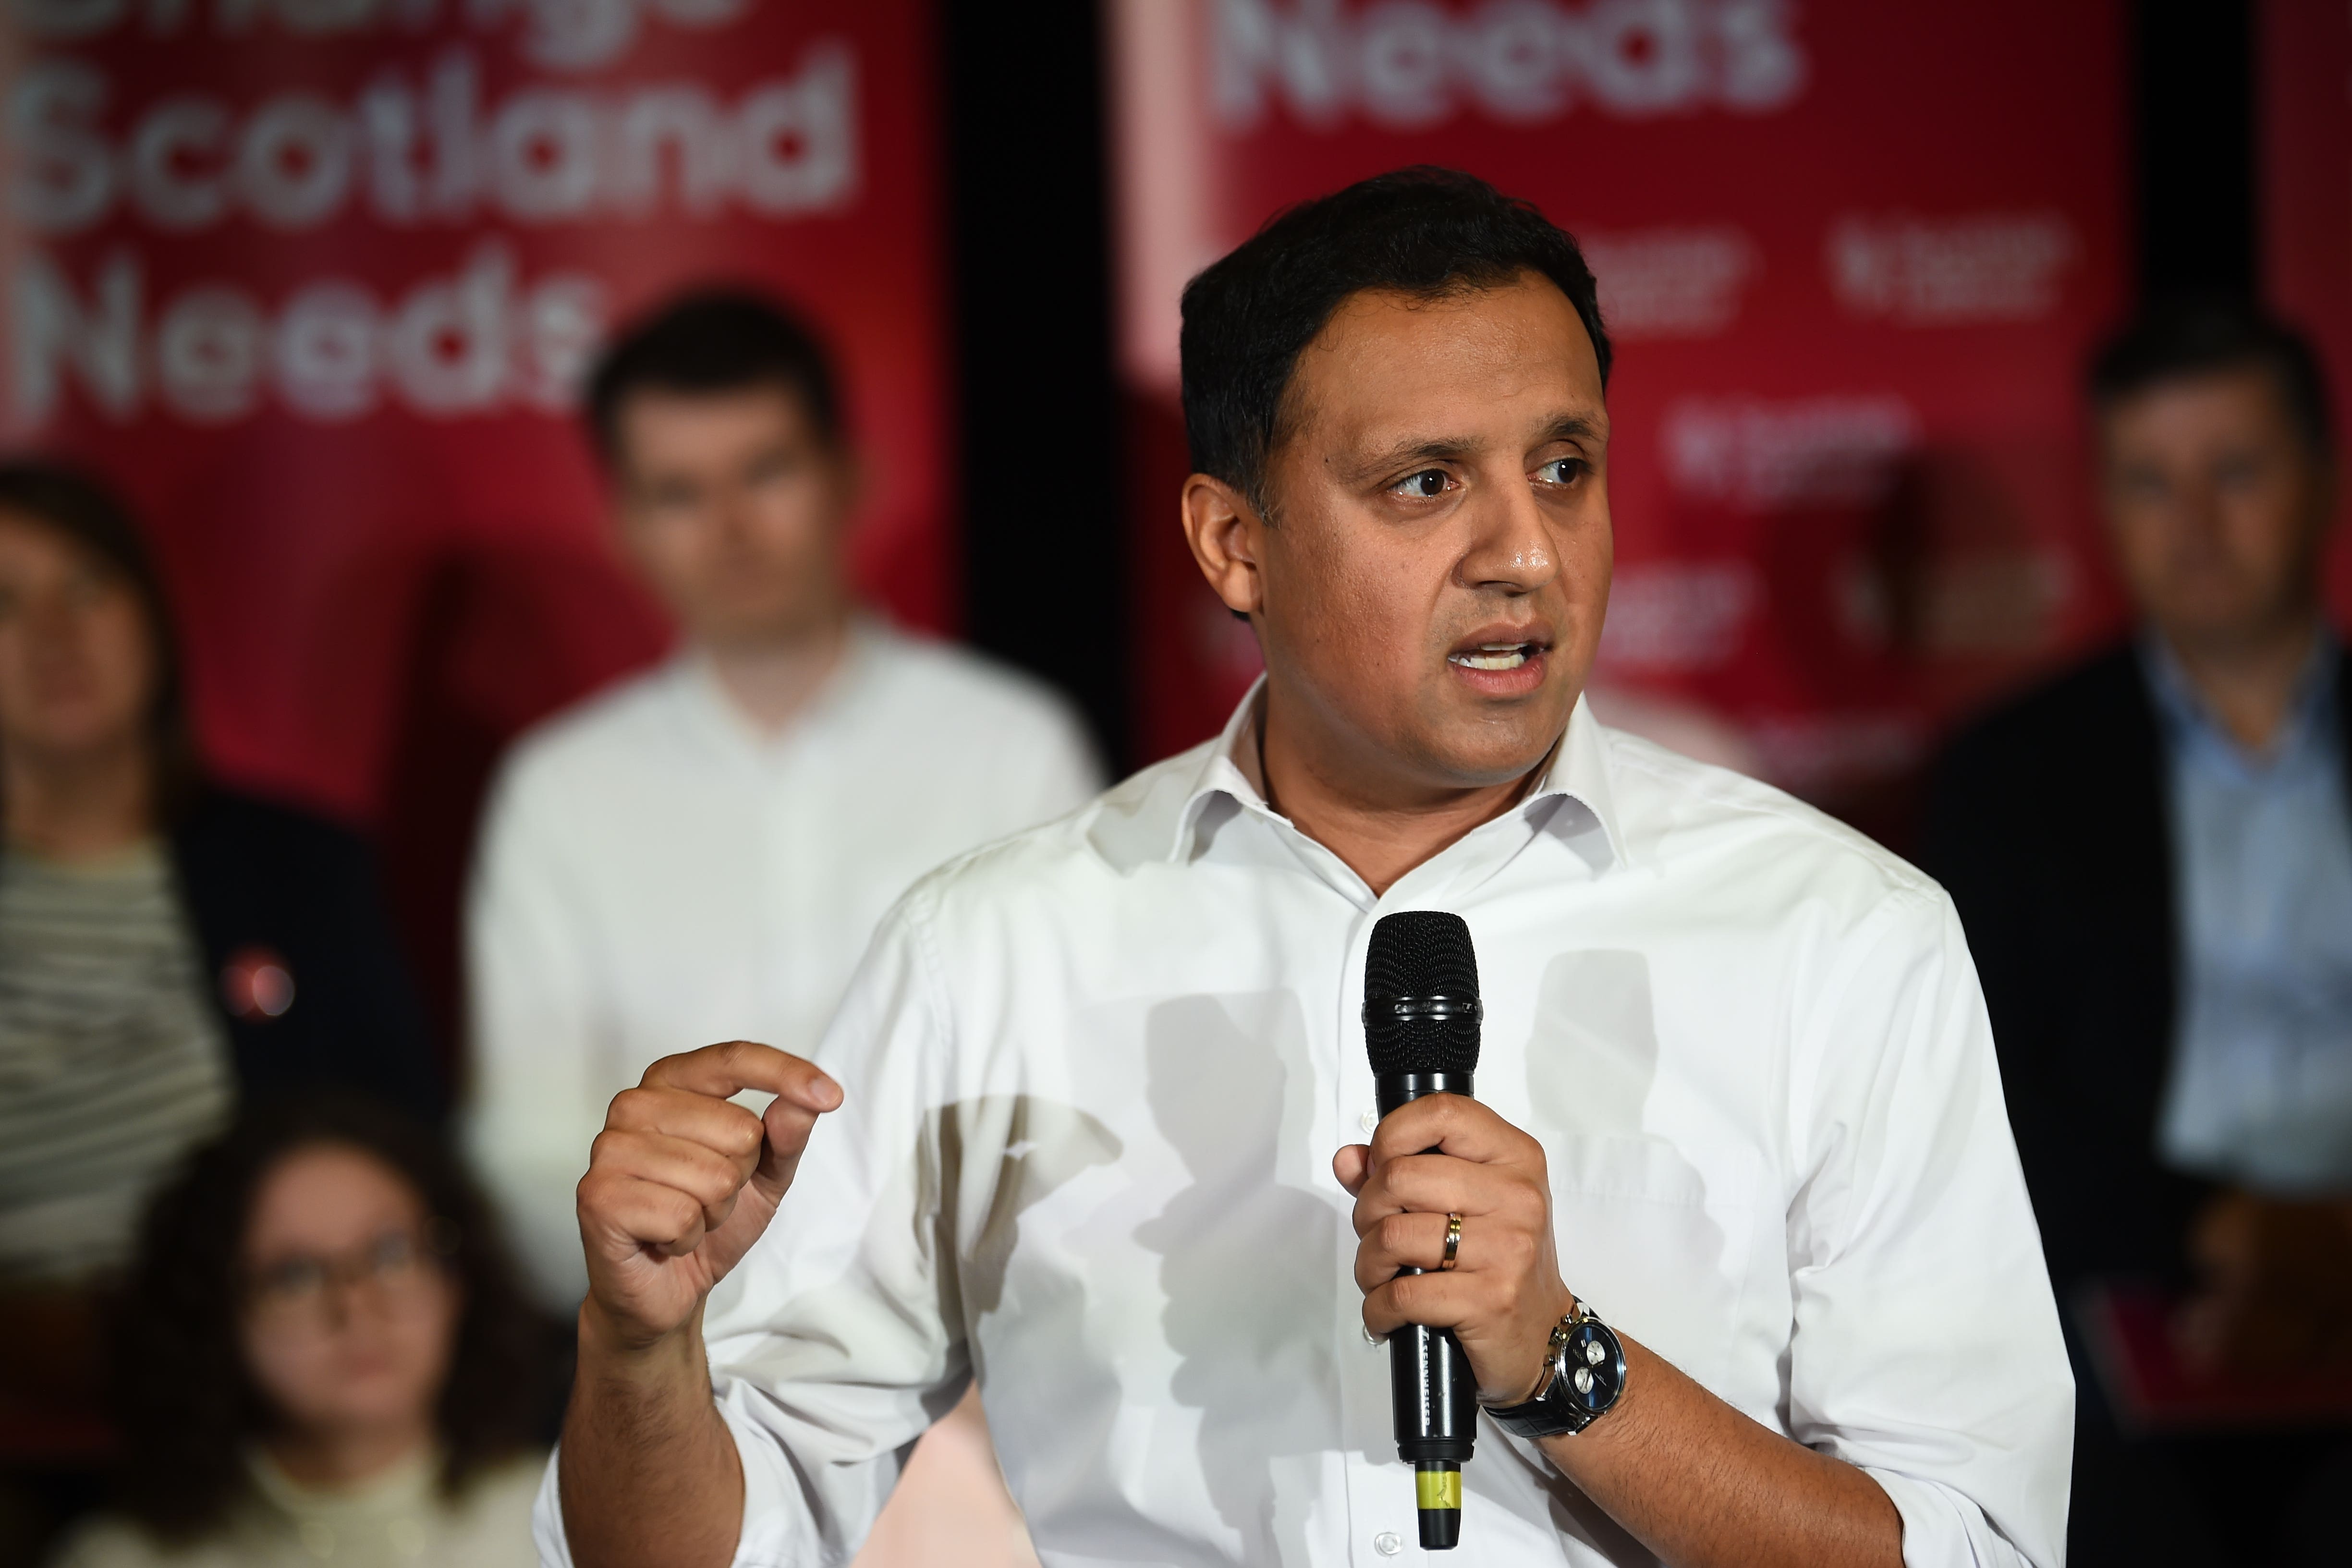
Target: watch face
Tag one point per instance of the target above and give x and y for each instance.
(1591, 1368)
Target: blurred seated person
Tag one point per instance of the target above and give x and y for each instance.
(169, 949)
(2153, 858)
(322, 1357)
(701, 853)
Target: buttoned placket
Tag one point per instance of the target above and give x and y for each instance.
(1382, 1523)
(1383, 1527)
(784, 774)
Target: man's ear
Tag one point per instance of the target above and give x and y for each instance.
(1224, 530)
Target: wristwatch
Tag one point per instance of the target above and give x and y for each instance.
(1584, 1374)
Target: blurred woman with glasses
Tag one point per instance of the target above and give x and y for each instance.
(322, 1357)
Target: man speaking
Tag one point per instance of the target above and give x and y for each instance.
(1069, 1135)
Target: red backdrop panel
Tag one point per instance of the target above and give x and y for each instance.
(314, 280)
(2304, 88)
(1852, 253)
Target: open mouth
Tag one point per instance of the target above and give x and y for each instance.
(1496, 656)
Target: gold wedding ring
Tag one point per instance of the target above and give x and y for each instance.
(1453, 1241)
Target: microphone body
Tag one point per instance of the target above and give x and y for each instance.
(1431, 1394)
(1421, 1032)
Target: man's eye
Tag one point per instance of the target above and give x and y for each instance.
(770, 468)
(1422, 487)
(1561, 471)
(2238, 475)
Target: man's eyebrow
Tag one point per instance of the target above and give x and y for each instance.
(1428, 449)
(1574, 427)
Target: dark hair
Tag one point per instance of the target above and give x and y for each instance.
(713, 341)
(87, 513)
(186, 1406)
(1422, 231)
(2185, 337)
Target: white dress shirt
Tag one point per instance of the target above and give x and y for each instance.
(1094, 1078)
(659, 873)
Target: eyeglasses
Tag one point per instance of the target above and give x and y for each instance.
(395, 1263)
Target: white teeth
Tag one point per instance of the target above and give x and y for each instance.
(1492, 656)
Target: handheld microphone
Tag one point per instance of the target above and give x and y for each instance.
(1421, 1030)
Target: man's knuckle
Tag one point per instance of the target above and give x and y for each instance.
(718, 1182)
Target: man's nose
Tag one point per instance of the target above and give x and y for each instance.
(732, 505)
(1511, 549)
(2198, 508)
(56, 624)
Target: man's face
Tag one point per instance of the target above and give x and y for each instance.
(1431, 590)
(2216, 505)
(735, 507)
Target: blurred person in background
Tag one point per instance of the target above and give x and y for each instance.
(168, 948)
(323, 1355)
(702, 852)
(2153, 858)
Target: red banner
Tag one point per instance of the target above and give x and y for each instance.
(315, 281)
(2304, 86)
(1852, 253)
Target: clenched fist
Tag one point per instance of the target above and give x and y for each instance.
(682, 1181)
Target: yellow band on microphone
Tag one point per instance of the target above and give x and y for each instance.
(1439, 1488)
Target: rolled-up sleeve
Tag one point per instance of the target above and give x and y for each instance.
(1926, 1347)
(836, 1342)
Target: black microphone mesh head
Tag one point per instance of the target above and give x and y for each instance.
(1420, 955)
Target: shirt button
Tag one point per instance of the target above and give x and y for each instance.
(1388, 1543)
(1369, 1120)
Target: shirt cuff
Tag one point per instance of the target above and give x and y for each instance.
(547, 1521)
(769, 1495)
(1942, 1529)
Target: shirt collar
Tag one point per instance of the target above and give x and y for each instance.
(2185, 716)
(714, 716)
(405, 1487)
(1571, 799)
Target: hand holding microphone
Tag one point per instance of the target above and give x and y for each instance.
(1452, 1209)
(1448, 1156)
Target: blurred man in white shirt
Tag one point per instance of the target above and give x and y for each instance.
(706, 847)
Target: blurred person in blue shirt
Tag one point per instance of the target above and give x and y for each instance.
(2153, 857)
